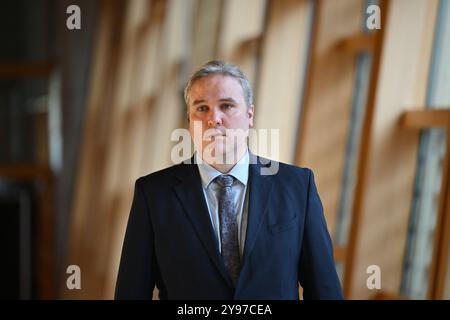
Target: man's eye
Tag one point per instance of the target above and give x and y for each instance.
(201, 108)
(227, 106)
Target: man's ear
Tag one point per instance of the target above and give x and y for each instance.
(250, 113)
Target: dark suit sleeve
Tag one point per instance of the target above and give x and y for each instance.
(136, 278)
(317, 272)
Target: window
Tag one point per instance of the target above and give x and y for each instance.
(428, 179)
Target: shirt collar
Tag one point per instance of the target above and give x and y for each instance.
(208, 173)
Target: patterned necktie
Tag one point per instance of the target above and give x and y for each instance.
(228, 227)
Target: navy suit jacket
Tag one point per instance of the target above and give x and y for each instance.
(170, 242)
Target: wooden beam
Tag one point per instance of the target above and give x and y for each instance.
(25, 171)
(340, 252)
(357, 43)
(14, 69)
(239, 43)
(439, 263)
(280, 80)
(245, 46)
(388, 154)
(87, 228)
(324, 123)
(363, 159)
(427, 118)
(385, 295)
(206, 30)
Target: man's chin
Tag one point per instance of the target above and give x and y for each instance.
(219, 155)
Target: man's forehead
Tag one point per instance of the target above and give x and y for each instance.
(216, 87)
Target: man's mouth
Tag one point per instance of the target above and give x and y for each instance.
(217, 137)
(217, 134)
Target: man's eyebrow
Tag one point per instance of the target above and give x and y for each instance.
(198, 101)
(221, 100)
(228, 100)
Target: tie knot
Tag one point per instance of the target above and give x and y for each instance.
(225, 180)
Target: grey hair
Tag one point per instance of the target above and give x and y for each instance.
(227, 69)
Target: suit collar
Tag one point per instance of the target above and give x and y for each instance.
(260, 190)
(190, 194)
(208, 173)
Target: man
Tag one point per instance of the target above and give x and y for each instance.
(219, 226)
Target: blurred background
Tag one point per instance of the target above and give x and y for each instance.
(363, 102)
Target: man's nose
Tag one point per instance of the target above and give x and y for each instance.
(215, 119)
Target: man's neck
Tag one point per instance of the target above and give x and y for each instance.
(226, 167)
(223, 167)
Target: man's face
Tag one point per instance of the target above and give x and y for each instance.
(219, 117)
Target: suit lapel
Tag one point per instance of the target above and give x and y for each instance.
(259, 194)
(190, 193)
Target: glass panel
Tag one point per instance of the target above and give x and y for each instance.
(359, 101)
(424, 212)
(419, 248)
(363, 66)
(23, 120)
(446, 295)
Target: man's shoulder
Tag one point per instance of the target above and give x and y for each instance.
(164, 175)
(285, 169)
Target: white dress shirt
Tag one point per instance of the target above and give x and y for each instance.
(240, 197)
